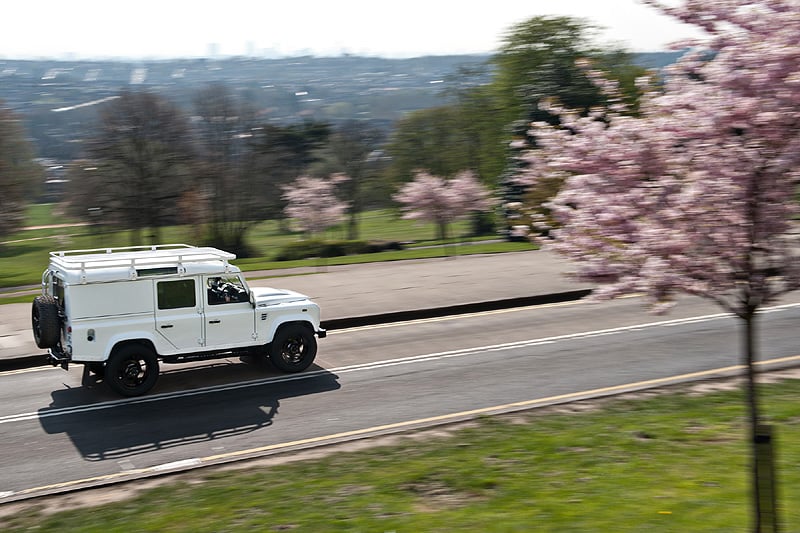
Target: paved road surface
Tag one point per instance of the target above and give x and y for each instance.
(60, 427)
(376, 288)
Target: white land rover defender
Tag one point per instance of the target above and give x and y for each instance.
(121, 310)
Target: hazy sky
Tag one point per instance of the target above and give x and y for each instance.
(405, 28)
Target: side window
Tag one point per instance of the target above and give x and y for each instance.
(176, 294)
(226, 290)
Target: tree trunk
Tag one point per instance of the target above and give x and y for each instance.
(352, 226)
(763, 481)
(441, 231)
(155, 233)
(135, 236)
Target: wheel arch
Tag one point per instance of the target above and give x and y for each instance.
(288, 321)
(133, 368)
(294, 347)
(119, 344)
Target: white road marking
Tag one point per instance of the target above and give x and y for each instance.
(28, 370)
(376, 430)
(185, 463)
(21, 417)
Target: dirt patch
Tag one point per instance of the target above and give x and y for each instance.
(433, 496)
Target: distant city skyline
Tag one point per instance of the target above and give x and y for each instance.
(94, 29)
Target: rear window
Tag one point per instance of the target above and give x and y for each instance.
(58, 291)
(176, 294)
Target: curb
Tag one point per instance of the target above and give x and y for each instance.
(458, 309)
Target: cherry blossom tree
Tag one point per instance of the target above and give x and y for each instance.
(313, 204)
(696, 193)
(441, 201)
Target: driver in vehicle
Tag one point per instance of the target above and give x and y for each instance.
(221, 291)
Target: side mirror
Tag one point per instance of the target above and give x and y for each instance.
(252, 298)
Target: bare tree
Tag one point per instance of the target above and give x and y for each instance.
(226, 190)
(139, 163)
(18, 172)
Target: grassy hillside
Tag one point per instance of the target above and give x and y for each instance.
(24, 255)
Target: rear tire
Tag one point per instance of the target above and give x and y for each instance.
(45, 322)
(132, 370)
(293, 349)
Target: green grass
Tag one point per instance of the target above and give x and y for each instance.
(24, 255)
(397, 255)
(44, 215)
(673, 462)
(25, 298)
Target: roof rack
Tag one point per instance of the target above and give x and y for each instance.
(135, 257)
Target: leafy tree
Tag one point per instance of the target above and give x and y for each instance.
(281, 153)
(140, 160)
(428, 138)
(450, 138)
(19, 174)
(313, 204)
(441, 201)
(477, 120)
(697, 193)
(539, 61)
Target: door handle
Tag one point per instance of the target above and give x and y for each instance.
(166, 326)
(214, 321)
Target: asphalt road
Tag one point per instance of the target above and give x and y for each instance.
(60, 430)
(368, 292)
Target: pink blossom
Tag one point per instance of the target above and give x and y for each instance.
(313, 204)
(442, 201)
(703, 179)
(697, 192)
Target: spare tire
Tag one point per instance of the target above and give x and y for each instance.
(45, 322)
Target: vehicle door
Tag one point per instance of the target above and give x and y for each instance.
(178, 317)
(229, 319)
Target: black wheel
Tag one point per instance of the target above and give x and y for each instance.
(294, 348)
(132, 370)
(45, 322)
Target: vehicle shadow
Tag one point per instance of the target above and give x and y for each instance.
(169, 417)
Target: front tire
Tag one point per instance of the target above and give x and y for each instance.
(45, 322)
(294, 348)
(132, 370)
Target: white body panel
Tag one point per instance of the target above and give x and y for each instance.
(167, 298)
